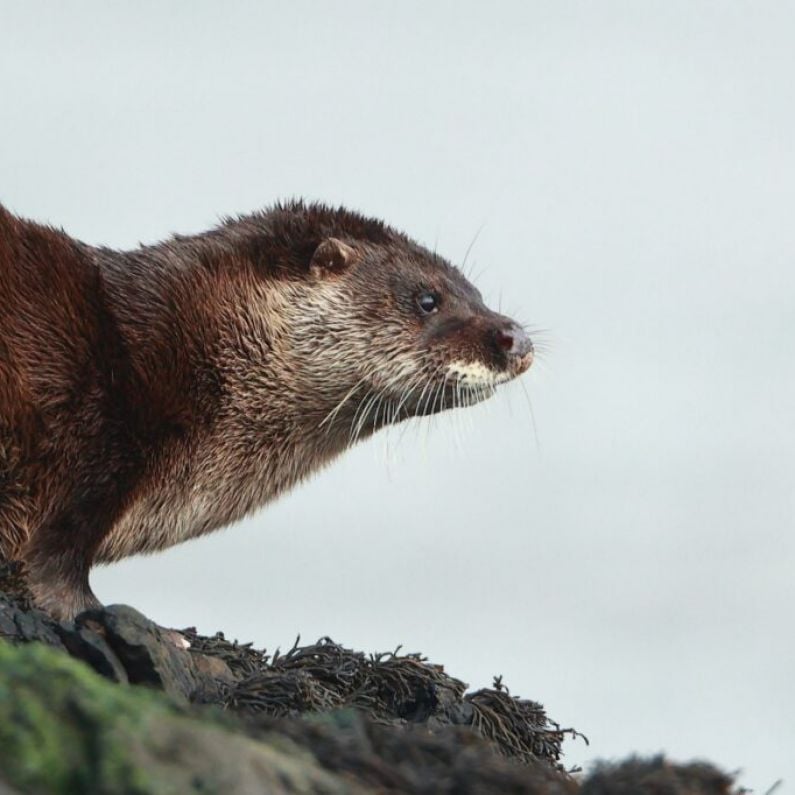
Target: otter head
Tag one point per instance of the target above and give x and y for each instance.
(385, 330)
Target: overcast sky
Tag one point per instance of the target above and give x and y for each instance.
(631, 169)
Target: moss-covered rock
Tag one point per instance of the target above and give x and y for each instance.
(63, 729)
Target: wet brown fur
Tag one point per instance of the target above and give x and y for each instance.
(150, 396)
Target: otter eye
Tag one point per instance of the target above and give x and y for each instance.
(428, 302)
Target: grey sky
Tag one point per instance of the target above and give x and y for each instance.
(631, 166)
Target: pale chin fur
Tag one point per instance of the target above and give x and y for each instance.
(475, 374)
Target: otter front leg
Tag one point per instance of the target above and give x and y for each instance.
(62, 590)
(57, 562)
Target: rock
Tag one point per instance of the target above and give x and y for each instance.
(65, 730)
(21, 624)
(149, 655)
(122, 645)
(319, 718)
(89, 646)
(657, 775)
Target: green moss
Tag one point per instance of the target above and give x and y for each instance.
(63, 729)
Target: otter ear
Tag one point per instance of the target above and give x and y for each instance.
(331, 256)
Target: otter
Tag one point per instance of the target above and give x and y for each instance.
(150, 396)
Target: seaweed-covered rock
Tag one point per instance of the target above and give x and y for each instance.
(141, 709)
(398, 689)
(388, 759)
(657, 776)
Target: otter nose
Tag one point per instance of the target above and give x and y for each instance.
(514, 341)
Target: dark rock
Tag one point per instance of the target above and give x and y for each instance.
(213, 679)
(91, 648)
(117, 642)
(461, 714)
(657, 776)
(22, 624)
(150, 655)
